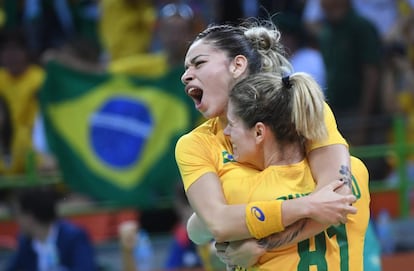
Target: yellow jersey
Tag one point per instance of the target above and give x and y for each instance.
(207, 149)
(337, 248)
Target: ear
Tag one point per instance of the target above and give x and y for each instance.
(238, 66)
(260, 132)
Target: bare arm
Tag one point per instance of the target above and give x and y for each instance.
(224, 223)
(331, 163)
(295, 233)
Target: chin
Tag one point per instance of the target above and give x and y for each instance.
(208, 114)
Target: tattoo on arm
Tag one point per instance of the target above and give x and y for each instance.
(346, 175)
(284, 237)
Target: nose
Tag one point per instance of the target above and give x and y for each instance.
(186, 77)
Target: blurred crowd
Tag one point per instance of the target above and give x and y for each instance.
(361, 52)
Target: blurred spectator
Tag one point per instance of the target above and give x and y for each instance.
(351, 49)
(15, 144)
(302, 47)
(47, 242)
(47, 24)
(398, 82)
(399, 67)
(126, 27)
(173, 19)
(136, 247)
(51, 23)
(20, 79)
(168, 48)
(383, 14)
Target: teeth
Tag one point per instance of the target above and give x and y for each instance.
(190, 90)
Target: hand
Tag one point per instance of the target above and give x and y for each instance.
(244, 253)
(329, 207)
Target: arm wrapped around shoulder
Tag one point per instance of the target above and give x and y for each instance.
(264, 218)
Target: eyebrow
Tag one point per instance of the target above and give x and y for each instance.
(194, 59)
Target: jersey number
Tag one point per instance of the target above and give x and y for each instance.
(317, 256)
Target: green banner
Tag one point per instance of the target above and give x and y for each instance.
(114, 135)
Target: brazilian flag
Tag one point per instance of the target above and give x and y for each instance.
(114, 135)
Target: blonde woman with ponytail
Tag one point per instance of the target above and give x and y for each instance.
(270, 119)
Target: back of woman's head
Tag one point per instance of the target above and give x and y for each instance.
(293, 106)
(258, 41)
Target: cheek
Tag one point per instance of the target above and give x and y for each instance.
(235, 136)
(220, 81)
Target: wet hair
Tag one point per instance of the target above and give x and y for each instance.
(40, 202)
(258, 41)
(293, 107)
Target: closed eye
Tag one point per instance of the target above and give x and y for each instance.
(198, 63)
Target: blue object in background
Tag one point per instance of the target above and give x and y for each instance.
(372, 250)
(144, 253)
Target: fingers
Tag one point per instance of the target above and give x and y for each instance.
(336, 184)
(343, 219)
(221, 251)
(221, 246)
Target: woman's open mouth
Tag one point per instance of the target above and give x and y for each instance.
(196, 94)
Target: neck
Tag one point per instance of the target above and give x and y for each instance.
(285, 154)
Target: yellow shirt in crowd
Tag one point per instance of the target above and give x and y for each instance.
(20, 94)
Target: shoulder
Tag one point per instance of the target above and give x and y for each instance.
(204, 132)
(209, 127)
